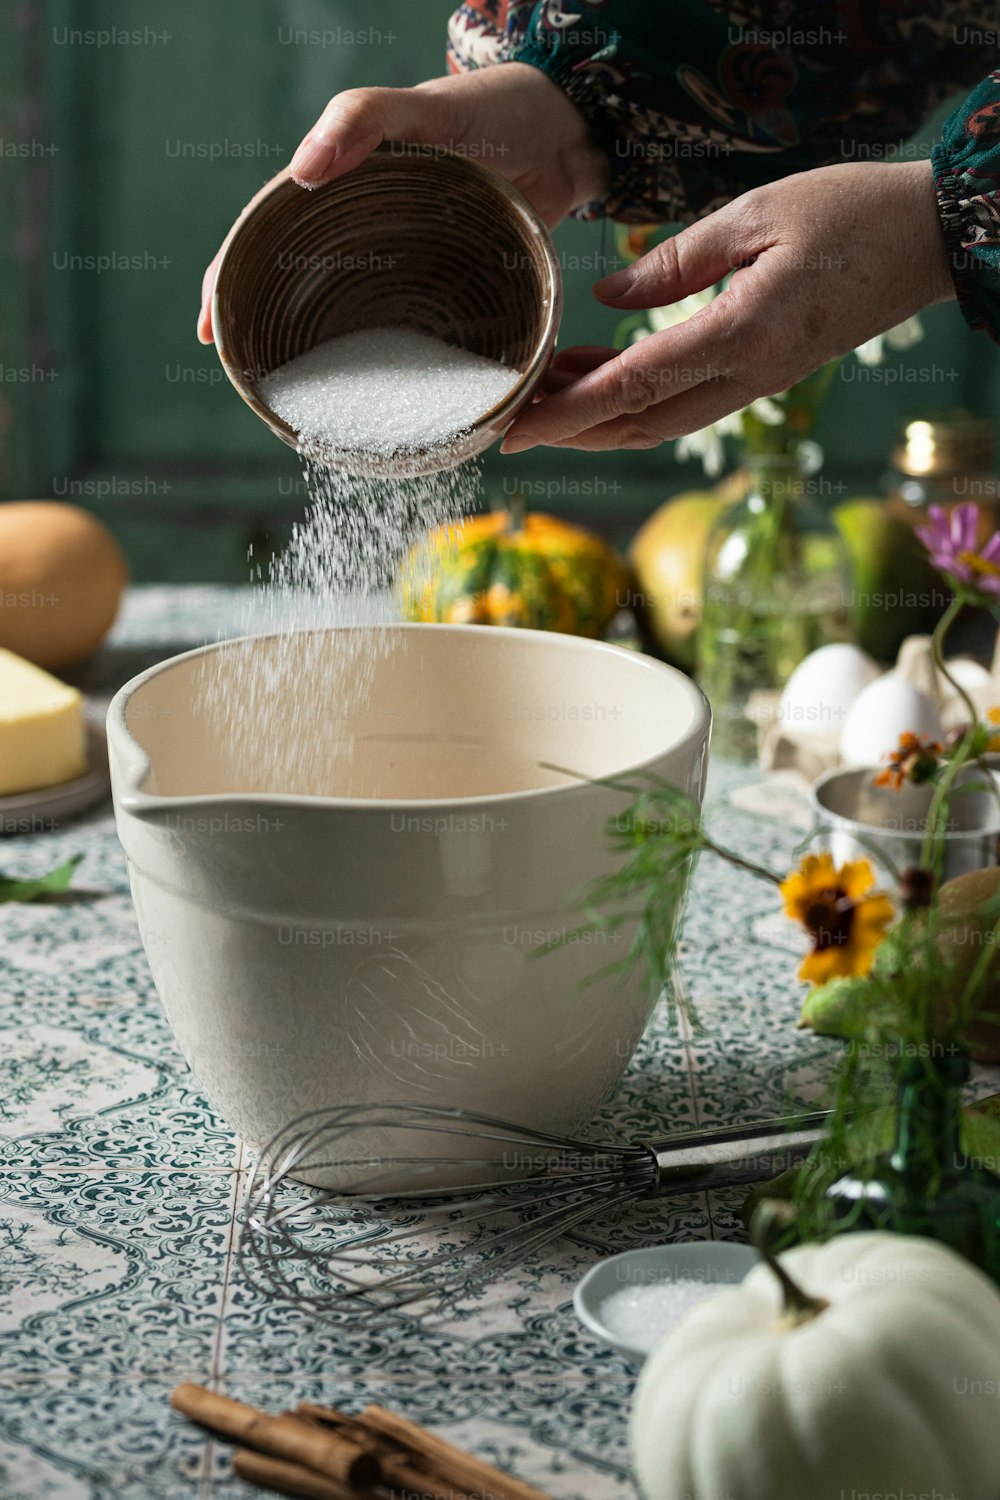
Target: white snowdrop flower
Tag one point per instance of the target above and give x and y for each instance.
(903, 336)
(662, 318)
(767, 409)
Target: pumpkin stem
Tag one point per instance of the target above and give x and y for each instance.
(771, 1219)
(515, 507)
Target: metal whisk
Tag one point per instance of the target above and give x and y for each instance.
(418, 1206)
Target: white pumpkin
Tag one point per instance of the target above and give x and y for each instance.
(889, 1384)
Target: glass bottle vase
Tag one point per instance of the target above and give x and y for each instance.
(927, 1185)
(777, 585)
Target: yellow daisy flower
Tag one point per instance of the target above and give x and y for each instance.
(993, 743)
(844, 915)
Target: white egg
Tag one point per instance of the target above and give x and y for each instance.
(822, 688)
(887, 708)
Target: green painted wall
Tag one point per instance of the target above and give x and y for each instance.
(133, 132)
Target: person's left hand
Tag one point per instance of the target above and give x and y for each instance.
(827, 259)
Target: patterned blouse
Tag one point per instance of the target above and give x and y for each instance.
(695, 101)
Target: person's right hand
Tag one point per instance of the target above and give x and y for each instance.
(509, 116)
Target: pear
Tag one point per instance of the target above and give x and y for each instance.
(896, 591)
(668, 556)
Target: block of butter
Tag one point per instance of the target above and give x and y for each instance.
(42, 728)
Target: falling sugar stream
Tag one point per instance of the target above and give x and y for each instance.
(280, 708)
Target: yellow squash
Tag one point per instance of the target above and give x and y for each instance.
(528, 570)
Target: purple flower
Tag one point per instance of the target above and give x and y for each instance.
(952, 541)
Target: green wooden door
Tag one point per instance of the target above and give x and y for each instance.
(133, 132)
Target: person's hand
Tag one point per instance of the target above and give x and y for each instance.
(510, 117)
(827, 259)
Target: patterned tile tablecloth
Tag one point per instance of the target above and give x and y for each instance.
(120, 1192)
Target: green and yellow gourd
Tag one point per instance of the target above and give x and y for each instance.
(515, 568)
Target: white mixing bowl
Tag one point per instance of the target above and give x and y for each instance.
(349, 853)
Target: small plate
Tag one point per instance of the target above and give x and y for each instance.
(714, 1262)
(43, 810)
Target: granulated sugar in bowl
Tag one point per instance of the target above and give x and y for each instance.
(386, 391)
(428, 273)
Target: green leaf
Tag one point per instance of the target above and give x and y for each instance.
(55, 881)
(841, 1007)
(981, 1133)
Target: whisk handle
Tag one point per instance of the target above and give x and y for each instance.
(735, 1161)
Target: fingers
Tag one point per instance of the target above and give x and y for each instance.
(686, 412)
(205, 332)
(553, 380)
(687, 262)
(659, 367)
(355, 122)
(569, 364)
(583, 356)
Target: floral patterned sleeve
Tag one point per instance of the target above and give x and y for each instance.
(697, 101)
(967, 174)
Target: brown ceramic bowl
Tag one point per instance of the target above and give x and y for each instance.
(414, 237)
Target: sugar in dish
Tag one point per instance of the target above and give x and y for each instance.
(389, 250)
(631, 1300)
(641, 1313)
(385, 391)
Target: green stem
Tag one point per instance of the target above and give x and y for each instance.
(622, 336)
(932, 849)
(990, 779)
(768, 1222)
(824, 380)
(937, 648)
(515, 507)
(963, 754)
(738, 861)
(964, 1012)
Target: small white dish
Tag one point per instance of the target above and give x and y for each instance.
(716, 1263)
(43, 810)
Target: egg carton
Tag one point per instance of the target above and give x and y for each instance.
(840, 708)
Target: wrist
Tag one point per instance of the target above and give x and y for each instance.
(928, 239)
(582, 162)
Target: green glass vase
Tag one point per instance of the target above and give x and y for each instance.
(777, 585)
(927, 1185)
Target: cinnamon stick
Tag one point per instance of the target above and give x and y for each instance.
(477, 1478)
(400, 1469)
(331, 1454)
(290, 1479)
(417, 1459)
